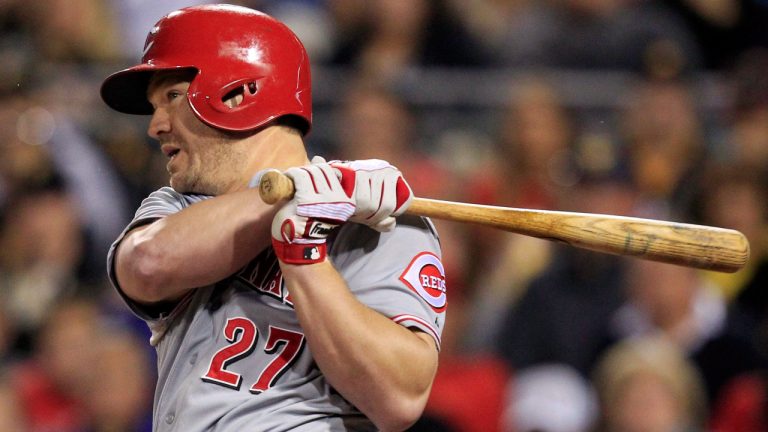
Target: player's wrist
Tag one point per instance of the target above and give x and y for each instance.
(300, 253)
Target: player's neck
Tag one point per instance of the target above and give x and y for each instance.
(274, 147)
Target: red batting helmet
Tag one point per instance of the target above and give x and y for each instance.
(233, 49)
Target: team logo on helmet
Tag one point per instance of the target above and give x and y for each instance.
(425, 275)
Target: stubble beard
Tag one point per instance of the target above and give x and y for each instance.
(216, 172)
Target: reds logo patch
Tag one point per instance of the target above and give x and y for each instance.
(425, 275)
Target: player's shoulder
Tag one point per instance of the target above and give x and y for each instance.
(163, 202)
(407, 224)
(168, 194)
(171, 192)
(410, 231)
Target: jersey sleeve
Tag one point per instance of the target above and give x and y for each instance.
(159, 204)
(399, 273)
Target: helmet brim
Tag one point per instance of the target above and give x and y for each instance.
(126, 90)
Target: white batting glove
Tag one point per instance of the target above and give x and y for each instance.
(320, 204)
(381, 192)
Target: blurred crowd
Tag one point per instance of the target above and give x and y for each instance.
(644, 108)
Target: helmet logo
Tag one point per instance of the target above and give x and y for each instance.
(147, 48)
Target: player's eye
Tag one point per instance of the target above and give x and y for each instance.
(173, 94)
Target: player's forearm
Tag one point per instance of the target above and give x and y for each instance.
(197, 246)
(384, 369)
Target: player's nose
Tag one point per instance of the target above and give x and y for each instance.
(159, 124)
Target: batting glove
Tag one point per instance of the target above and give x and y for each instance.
(381, 193)
(320, 203)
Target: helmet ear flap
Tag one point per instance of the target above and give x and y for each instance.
(234, 98)
(213, 105)
(236, 95)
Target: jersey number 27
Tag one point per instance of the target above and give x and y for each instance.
(242, 334)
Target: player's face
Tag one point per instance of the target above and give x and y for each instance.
(201, 159)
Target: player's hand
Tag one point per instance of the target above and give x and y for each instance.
(381, 192)
(320, 204)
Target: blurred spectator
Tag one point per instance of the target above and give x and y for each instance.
(540, 303)
(397, 35)
(53, 385)
(676, 302)
(491, 20)
(733, 192)
(724, 28)
(40, 254)
(8, 337)
(532, 168)
(608, 34)
(25, 165)
(664, 144)
(11, 415)
(45, 147)
(560, 317)
(16, 47)
(746, 142)
(562, 313)
(648, 385)
(86, 373)
(71, 30)
(743, 406)
(349, 19)
(535, 145)
(94, 187)
(122, 364)
(734, 196)
(469, 393)
(550, 398)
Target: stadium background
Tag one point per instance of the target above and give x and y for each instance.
(646, 108)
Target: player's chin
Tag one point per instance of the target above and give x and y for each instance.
(179, 184)
(187, 185)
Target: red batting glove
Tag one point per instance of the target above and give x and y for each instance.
(380, 194)
(320, 204)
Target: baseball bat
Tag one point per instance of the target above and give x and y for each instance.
(689, 245)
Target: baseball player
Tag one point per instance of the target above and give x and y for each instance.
(319, 314)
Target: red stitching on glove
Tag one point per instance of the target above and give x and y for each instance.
(403, 193)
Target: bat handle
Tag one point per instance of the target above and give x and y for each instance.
(275, 186)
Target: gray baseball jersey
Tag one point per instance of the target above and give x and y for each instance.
(233, 357)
